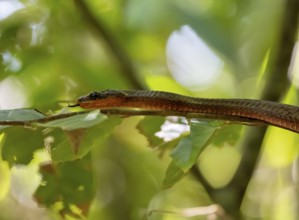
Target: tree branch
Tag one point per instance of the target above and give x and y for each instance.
(132, 112)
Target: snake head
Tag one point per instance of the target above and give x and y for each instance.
(102, 99)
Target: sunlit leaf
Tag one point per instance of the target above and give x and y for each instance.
(218, 164)
(20, 144)
(162, 82)
(5, 179)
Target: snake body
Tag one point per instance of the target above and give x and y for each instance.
(266, 112)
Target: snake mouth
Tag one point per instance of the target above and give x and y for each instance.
(80, 100)
(73, 105)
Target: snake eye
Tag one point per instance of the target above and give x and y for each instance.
(93, 95)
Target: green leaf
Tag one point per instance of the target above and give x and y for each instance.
(166, 147)
(189, 148)
(228, 134)
(173, 175)
(71, 183)
(182, 153)
(20, 115)
(19, 144)
(149, 126)
(77, 121)
(91, 137)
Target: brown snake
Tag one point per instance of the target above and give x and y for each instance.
(248, 111)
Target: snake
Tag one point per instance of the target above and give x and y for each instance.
(247, 111)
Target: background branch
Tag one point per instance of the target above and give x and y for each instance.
(125, 63)
(276, 87)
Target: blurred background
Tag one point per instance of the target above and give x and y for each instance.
(59, 50)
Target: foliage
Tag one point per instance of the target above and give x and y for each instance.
(63, 163)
